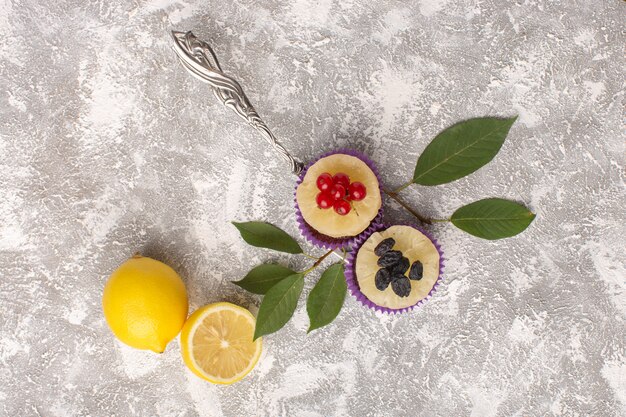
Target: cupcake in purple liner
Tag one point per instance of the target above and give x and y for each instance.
(338, 199)
(394, 268)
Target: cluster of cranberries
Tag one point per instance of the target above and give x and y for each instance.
(337, 191)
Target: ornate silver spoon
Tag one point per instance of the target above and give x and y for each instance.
(200, 61)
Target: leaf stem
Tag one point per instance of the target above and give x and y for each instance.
(440, 220)
(309, 256)
(402, 187)
(341, 256)
(317, 263)
(419, 217)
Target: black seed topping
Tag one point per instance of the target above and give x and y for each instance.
(390, 258)
(417, 271)
(384, 246)
(401, 267)
(401, 285)
(382, 280)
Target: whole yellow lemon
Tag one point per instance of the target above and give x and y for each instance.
(145, 303)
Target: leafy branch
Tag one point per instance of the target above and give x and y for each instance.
(455, 153)
(282, 287)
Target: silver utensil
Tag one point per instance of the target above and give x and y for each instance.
(200, 61)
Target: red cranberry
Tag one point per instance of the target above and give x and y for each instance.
(356, 191)
(324, 200)
(341, 178)
(324, 181)
(338, 192)
(342, 207)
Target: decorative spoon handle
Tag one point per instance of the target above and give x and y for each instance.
(200, 61)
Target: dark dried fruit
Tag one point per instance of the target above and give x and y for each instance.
(390, 258)
(384, 246)
(401, 285)
(401, 267)
(417, 271)
(382, 279)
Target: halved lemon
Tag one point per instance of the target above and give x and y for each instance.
(217, 345)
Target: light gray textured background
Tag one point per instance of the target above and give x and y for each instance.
(108, 147)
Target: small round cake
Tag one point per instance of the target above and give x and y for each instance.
(338, 198)
(395, 268)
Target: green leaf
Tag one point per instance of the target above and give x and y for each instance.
(265, 235)
(493, 218)
(263, 277)
(278, 305)
(461, 149)
(326, 298)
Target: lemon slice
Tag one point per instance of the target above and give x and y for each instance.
(216, 343)
(327, 221)
(416, 247)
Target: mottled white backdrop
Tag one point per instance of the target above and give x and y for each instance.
(108, 147)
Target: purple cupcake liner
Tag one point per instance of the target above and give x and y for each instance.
(353, 284)
(328, 242)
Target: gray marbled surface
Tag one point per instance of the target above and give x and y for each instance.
(108, 147)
